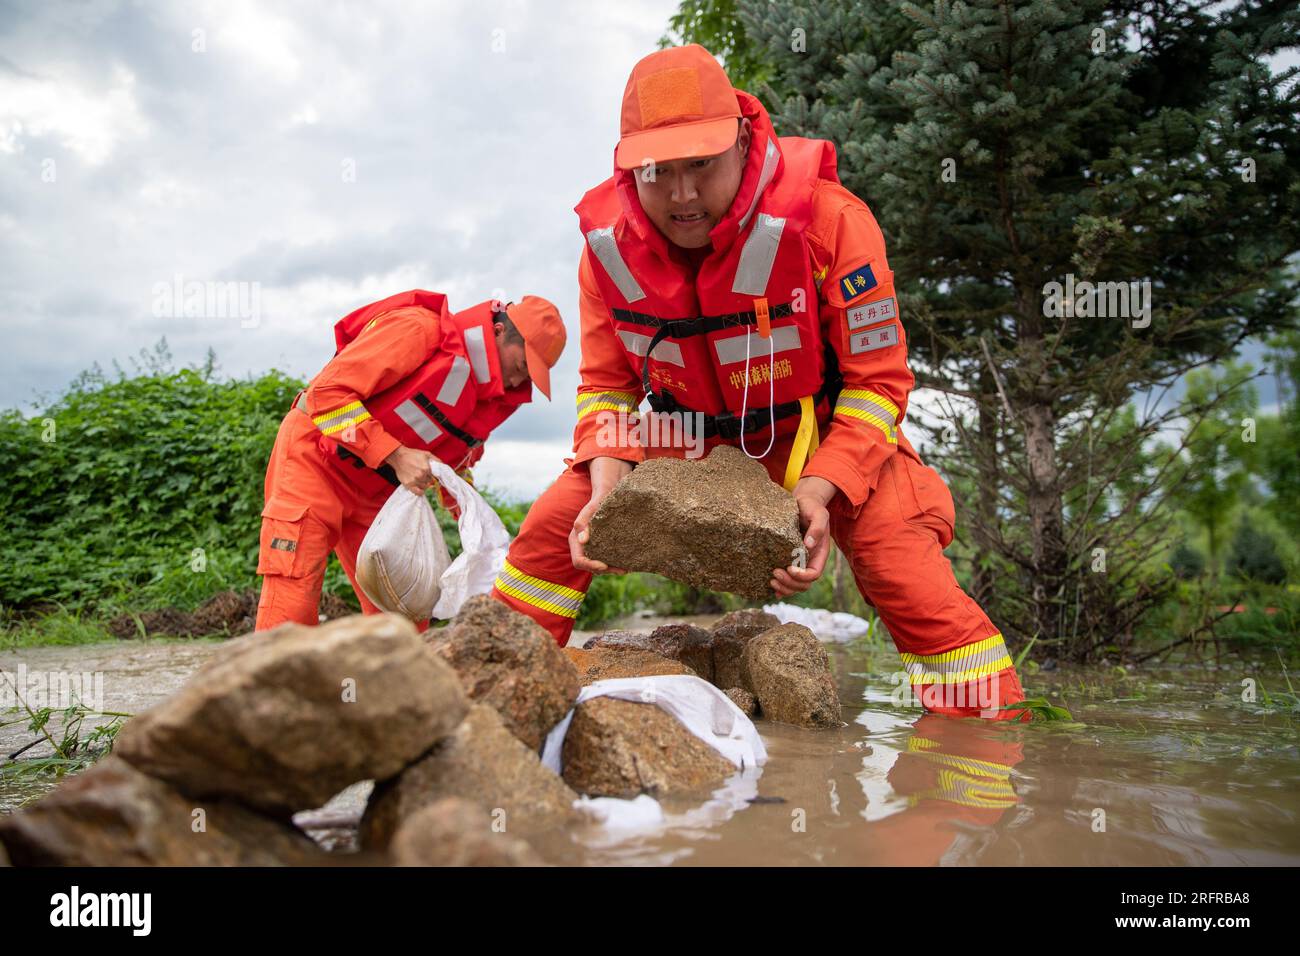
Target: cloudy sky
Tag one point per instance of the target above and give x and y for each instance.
(331, 153)
(328, 154)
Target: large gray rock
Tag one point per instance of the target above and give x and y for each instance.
(679, 642)
(620, 748)
(507, 660)
(730, 635)
(114, 815)
(789, 672)
(482, 762)
(719, 523)
(606, 663)
(456, 832)
(282, 720)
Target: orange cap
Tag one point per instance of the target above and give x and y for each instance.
(678, 104)
(539, 322)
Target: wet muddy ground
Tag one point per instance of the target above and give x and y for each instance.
(1160, 766)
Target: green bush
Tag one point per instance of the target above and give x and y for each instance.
(1271, 619)
(120, 489)
(1254, 556)
(1186, 562)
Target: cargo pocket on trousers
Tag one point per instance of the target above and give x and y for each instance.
(924, 498)
(280, 551)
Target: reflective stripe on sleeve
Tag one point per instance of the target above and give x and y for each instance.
(353, 413)
(591, 402)
(871, 407)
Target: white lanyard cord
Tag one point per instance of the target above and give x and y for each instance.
(771, 408)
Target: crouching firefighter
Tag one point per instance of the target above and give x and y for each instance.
(729, 277)
(410, 381)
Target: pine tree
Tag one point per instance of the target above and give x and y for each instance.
(1005, 146)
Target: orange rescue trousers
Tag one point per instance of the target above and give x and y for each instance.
(311, 509)
(955, 659)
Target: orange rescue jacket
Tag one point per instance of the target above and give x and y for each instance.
(446, 402)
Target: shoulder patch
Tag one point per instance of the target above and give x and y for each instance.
(869, 313)
(858, 282)
(879, 337)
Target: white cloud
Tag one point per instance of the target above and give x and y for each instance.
(257, 37)
(89, 122)
(227, 165)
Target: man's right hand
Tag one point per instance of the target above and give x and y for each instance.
(411, 465)
(605, 474)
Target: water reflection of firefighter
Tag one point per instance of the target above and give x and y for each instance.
(956, 775)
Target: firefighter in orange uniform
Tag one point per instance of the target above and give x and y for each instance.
(727, 276)
(411, 380)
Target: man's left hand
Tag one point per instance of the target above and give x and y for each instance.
(812, 495)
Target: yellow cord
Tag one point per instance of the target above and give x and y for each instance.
(805, 442)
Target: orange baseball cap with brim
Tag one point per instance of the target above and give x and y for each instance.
(678, 104)
(539, 322)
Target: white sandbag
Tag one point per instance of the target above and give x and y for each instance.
(701, 708)
(403, 556)
(484, 542)
(835, 627)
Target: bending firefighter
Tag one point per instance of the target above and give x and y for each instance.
(411, 380)
(729, 277)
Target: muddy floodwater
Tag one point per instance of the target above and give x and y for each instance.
(1161, 766)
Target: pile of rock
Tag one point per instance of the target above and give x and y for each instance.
(273, 723)
(448, 724)
(769, 669)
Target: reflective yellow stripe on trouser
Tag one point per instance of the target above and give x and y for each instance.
(959, 665)
(555, 598)
(805, 442)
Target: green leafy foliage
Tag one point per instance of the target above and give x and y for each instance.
(1253, 555)
(134, 491)
(75, 746)
(1040, 709)
(713, 25)
(1003, 146)
(122, 486)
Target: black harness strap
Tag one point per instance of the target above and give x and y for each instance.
(729, 425)
(383, 471)
(437, 415)
(386, 471)
(683, 328)
(701, 325)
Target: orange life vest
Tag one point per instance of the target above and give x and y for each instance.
(449, 405)
(752, 302)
